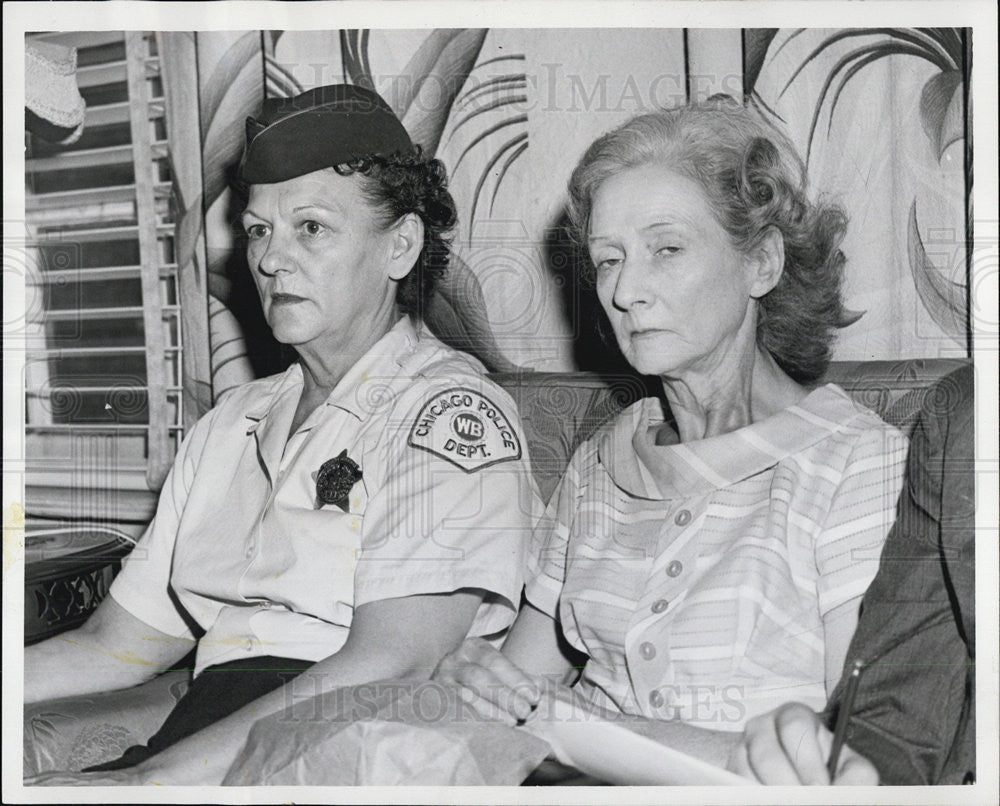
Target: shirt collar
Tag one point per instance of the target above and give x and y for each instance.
(280, 385)
(646, 470)
(378, 373)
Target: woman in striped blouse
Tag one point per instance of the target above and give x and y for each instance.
(704, 561)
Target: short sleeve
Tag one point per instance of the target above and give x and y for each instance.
(860, 516)
(143, 585)
(435, 526)
(546, 564)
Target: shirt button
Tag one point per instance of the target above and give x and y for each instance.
(249, 646)
(675, 568)
(683, 518)
(647, 650)
(656, 699)
(660, 605)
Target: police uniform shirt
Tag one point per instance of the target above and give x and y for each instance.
(244, 548)
(695, 576)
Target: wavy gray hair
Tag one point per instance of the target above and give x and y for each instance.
(754, 180)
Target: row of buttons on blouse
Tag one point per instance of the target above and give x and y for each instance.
(674, 569)
(646, 650)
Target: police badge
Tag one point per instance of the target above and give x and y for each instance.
(335, 479)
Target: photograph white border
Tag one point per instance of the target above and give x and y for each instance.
(980, 15)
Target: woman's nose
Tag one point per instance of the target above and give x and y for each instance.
(275, 258)
(632, 286)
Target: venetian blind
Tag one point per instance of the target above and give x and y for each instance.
(103, 366)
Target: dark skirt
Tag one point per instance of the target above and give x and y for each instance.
(213, 695)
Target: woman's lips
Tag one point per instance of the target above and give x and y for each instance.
(285, 299)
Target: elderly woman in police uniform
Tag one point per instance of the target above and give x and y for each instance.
(351, 519)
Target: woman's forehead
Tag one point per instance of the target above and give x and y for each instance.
(647, 197)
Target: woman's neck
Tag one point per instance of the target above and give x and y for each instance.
(324, 366)
(733, 392)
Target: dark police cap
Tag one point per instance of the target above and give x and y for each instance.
(320, 128)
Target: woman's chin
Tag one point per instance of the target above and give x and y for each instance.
(648, 362)
(290, 333)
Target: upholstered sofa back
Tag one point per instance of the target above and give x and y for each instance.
(560, 410)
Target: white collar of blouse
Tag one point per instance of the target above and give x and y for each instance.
(659, 472)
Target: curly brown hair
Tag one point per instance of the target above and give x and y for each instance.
(754, 181)
(411, 183)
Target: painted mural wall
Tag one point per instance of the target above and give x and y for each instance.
(881, 115)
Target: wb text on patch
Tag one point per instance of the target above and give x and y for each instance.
(466, 428)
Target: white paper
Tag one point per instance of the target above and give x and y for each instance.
(614, 754)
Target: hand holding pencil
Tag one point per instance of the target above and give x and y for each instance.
(843, 717)
(791, 746)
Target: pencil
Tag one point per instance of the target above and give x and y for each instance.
(843, 717)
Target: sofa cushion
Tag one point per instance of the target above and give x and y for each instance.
(897, 390)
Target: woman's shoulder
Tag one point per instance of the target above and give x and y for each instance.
(850, 430)
(846, 413)
(448, 406)
(436, 368)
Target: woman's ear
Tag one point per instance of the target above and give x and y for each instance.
(407, 241)
(767, 262)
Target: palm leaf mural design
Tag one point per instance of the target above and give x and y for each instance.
(431, 86)
(756, 42)
(228, 88)
(941, 47)
(944, 299)
(503, 94)
(945, 116)
(231, 91)
(279, 82)
(354, 55)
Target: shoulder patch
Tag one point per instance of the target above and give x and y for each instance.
(466, 428)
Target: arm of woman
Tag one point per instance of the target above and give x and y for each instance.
(117, 647)
(790, 744)
(503, 684)
(112, 650)
(389, 638)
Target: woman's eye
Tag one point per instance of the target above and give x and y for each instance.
(607, 263)
(312, 227)
(666, 251)
(255, 231)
